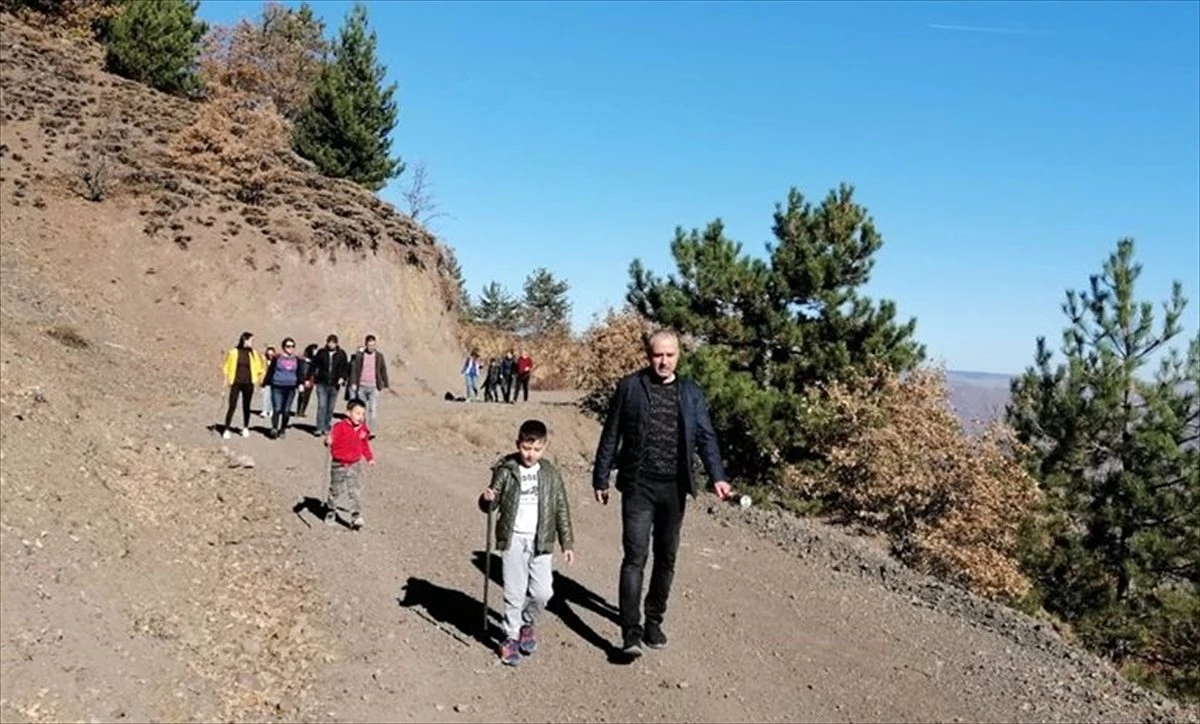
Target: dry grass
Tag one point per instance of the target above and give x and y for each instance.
(71, 18)
(898, 460)
(237, 139)
(610, 349)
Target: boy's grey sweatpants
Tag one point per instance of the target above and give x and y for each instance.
(528, 583)
(345, 489)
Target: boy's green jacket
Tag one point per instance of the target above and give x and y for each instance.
(554, 510)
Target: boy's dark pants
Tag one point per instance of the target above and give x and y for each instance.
(522, 385)
(651, 517)
(506, 386)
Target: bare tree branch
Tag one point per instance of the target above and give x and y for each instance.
(418, 195)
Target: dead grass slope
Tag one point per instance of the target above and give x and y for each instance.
(145, 580)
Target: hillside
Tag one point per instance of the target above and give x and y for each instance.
(177, 251)
(152, 571)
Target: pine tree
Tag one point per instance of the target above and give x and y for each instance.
(768, 330)
(498, 309)
(156, 42)
(545, 306)
(466, 307)
(1116, 451)
(345, 130)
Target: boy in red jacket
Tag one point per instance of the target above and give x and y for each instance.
(349, 443)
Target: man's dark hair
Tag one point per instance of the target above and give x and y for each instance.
(355, 403)
(331, 338)
(532, 431)
(370, 338)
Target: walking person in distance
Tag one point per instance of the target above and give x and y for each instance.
(244, 369)
(283, 376)
(368, 378)
(329, 371)
(658, 421)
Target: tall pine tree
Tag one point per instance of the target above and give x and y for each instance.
(1115, 446)
(345, 129)
(156, 42)
(770, 329)
(545, 306)
(498, 309)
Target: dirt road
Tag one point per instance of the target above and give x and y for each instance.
(757, 632)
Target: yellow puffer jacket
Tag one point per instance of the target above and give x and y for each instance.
(258, 366)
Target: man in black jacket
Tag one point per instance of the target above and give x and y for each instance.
(329, 371)
(657, 421)
(508, 369)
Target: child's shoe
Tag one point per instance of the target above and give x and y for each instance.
(510, 652)
(357, 522)
(245, 432)
(528, 642)
(225, 435)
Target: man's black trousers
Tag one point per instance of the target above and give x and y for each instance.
(651, 518)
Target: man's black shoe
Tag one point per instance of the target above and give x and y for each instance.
(631, 643)
(654, 637)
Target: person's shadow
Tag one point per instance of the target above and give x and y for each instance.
(447, 607)
(567, 593)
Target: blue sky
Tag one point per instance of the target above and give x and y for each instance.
(1002, 148)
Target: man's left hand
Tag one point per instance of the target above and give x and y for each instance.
(723, 489)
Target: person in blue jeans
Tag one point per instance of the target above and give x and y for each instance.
(368, 379)
(656, 422)
(283, 375)
(329, 370)
(470, 372)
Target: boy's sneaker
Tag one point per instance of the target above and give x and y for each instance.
(357, 522)
(631, 644)
(654, 637)
(225, 435)
(528, 642)
(245, 432)
(510, 652)
(330, 518)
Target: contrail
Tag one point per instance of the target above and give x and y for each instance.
(975, 29)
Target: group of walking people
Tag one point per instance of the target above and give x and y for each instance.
(506, 377)
(656, 423)
(286, 376)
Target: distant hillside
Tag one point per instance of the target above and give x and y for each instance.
(978, 397)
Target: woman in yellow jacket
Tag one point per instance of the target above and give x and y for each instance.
(244, 369)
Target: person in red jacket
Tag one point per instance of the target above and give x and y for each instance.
(349, 444)
(524, 371)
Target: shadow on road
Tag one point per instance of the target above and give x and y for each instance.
(448, 609)
(567, 593)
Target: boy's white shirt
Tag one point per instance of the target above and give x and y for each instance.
(526, 522)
